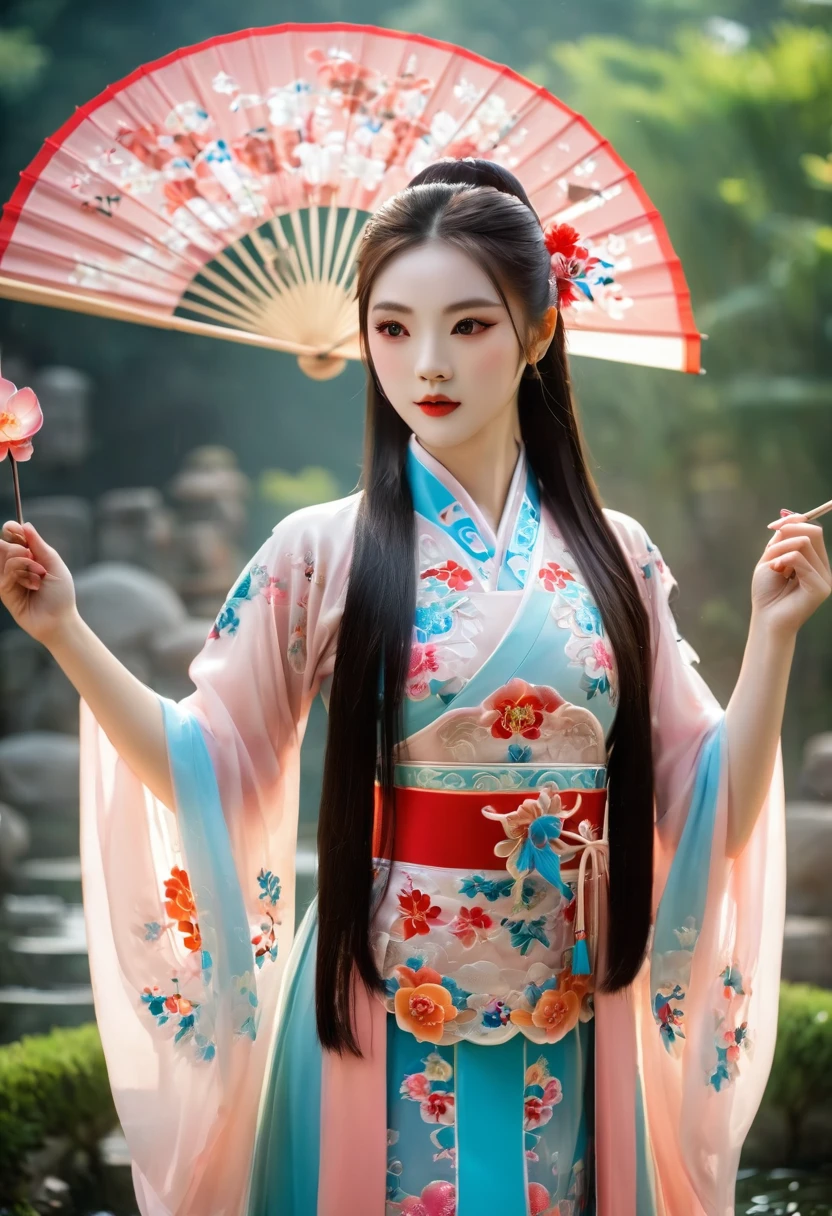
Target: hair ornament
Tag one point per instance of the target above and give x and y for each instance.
(575, 271)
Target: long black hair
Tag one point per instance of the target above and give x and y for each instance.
(482, 209)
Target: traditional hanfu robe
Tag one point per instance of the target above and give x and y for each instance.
(495, 1077)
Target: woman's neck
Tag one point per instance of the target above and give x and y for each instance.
(484, 465)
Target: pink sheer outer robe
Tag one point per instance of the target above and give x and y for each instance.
(682, 1055)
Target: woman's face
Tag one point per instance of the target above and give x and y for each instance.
(437, 326)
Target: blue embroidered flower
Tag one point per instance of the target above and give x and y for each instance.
(152, 931)
(459, 997)
(533, 992)
(519, 754)
(732, 981)
(391, 986)
(269, 885)
(488, 888)
(524, 933)
(249, 586)
(435, 617)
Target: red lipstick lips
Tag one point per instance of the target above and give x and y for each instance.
(436, 405)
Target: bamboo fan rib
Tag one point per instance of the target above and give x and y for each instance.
(223, 190)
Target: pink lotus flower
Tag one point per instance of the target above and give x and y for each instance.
(20, 419)
(415, 1086)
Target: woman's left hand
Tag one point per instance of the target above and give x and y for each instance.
(793, 576)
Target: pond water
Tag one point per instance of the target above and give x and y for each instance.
(784, 1192)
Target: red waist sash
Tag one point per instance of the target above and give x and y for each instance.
(446, 828)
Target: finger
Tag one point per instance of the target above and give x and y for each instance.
(8, 551)
(22, 569)
(801, 565)
(40, 550)
(13, 532)
(791, 531)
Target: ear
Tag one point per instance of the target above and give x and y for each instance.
(544, 334)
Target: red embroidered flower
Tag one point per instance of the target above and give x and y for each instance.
(181, 906)
(438, 1107)
(555, 577)
(423, 664)
(456, 576)
(417, 910)
(520, 708)
(471, 925)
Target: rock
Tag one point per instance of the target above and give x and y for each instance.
(128, 608)
(14, 838)
(34, 692)
(135, 526)
(809, 858)
(39, 778)
(66, 524)
(807, 950)
(816, 774)
(64, 393)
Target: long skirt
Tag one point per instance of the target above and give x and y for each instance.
(502, 1130)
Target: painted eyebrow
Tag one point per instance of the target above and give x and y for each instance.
(476, 302)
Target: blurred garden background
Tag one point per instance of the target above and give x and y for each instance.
(167, 458)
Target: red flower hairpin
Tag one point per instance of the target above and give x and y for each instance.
(20, 419)
(575, 271)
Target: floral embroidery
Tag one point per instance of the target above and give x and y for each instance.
(524, 933)
(449, 576)
(180, 1012)
(518, 709)
(556, 1013)
(493, 889)
(265, 942)
(555, 577)
(732, 982)
(471, 925)
(730, 1042)
(251, 584)
(669, 1017)
(432, 1089)
(423, 1011)
(541, 1094)
(496, 1013)
(423, 664)
(414, 972)
(417, 912)
(182, 907)
(296, 649)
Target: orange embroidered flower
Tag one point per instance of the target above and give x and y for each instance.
(412, 979)
(424, 1011)
(181, 906)
(555, 1013)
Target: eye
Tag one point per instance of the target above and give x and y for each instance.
(473, 321)
(382, 327)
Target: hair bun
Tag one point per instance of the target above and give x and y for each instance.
(474, 171)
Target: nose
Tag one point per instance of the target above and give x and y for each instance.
(432, 365)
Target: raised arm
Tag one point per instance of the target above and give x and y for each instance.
(37, 589)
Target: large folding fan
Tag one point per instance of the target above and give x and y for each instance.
(223, 189)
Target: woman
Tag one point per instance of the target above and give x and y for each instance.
(506, 724)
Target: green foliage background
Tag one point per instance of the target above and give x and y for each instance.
(724, 109)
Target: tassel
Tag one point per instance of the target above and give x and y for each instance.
(580, 955)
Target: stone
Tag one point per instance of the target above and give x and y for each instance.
(128, 608)
(809, 858)
(39, 778)
(14, 838)
(135, 526)
(807, 950)
(64, 393)
(34, 692)
(39, 768)
(65, 523)
(816, 774)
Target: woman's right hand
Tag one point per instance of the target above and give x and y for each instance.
(35, 583)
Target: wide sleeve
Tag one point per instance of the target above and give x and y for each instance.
(708, 992)
(190, 910)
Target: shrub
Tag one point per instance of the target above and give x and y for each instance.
(52, 1085)
(801, 1073)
